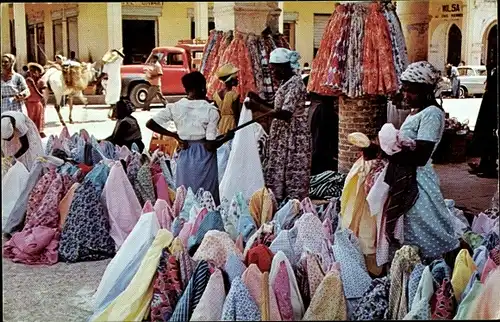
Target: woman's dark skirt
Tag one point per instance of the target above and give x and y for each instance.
(197, 168)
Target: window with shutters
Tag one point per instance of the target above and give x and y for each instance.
(320, 22)
(289, 33)
(57, 37)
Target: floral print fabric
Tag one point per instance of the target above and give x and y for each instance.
(288, 168)
(85, 236)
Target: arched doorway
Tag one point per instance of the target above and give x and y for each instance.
(454, 45)
(492, 43)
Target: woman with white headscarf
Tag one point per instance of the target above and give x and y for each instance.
(20, 138)
(428, 224)
(14, 88)
(288, 165)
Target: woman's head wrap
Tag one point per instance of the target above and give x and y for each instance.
(421, 72)
(11, 58)
(283, 55)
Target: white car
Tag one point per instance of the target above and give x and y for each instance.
(472, 81)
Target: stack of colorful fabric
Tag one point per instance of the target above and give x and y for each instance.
(362, 52)
(178, 256)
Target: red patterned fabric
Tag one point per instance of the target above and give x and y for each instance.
(319, 69)
(43, 206)
(379, 75)
(167, 288)
(260, 255)
(443, 303)
(338, 56)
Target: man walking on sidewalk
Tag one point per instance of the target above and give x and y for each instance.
(153, 76)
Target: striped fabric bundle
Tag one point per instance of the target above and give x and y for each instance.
(326, 185)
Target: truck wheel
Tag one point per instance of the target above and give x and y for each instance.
(138, 95)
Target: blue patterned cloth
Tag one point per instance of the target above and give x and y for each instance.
(413, 282)
(428, 224)
(285, 242)
(480, 257)
(192, 294)
(239, 304)
(234, 267)
(212, 221)
(491, 240)
(355, 277)
(375, 301)
(440, 271)
(476, 276)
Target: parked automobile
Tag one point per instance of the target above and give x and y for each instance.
(175, 61)
(472, 81)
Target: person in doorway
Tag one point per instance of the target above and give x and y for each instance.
(14, 87)
(154, 72)
(112, 82)
(35, 102)
(72, 57)
(196, 122)
(485, 141)
(289, 144)
(428, 224)
(228, 99)
(127, 130)
(455, 82)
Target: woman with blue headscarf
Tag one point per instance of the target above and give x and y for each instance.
(288, 164)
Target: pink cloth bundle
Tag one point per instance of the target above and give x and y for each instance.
(391, 141)
(33, 246)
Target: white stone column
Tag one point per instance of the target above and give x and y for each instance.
(281, 5)
(114, 15)
(20, 35)
(48, 34)
(201, 20)
(414, 16)
(5, 28)
(64, 33)
(247, 17)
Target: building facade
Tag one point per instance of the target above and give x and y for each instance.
(441, 31)
(462, 30)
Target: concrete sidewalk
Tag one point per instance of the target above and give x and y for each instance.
(97, 101)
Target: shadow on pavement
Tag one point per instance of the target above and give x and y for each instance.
(58, 124)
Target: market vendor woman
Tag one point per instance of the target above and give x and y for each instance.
(289, 144)
(196, 123)
(428, 224)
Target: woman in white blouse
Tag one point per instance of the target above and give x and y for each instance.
(196, 123)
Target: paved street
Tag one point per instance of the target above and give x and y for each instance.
(62, 292)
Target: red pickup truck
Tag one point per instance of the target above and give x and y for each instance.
(175, 61)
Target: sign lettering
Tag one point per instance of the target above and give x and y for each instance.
(143, 4)
(451, 7)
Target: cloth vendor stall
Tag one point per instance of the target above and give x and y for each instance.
(182, 258)
(360, 58)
